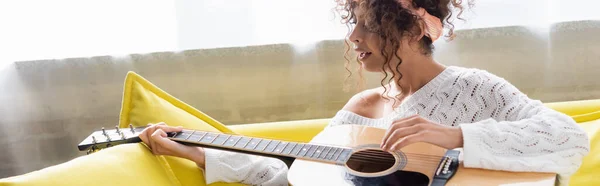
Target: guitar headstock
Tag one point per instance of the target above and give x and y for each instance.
(105, 138)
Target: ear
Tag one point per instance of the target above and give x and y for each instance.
(423, 27)
(417, 33)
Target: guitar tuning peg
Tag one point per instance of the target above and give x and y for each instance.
(92, 150)
(131, 127)
(117, 128)
(94, 140)
(105, 134)
(122, 135)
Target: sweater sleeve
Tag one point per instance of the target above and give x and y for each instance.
(232, 167)
(524, 135)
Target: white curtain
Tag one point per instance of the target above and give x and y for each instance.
(41, 29)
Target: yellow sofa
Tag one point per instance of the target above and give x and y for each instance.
(134, 164)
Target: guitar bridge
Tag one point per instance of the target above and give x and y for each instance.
(446, 169)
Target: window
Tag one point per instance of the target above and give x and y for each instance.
(40, 29)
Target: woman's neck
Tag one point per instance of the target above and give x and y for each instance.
(416, 73)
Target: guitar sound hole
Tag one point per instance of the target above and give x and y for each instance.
(374, 161)
(371, 161)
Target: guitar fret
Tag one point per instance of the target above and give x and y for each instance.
(338, 154)
(194, 137)
(271, 147)
(201, 137)
(193, 131)
(264, 146)
(297, 149)
(242, 142)
(317, 152)
(214, 138)
(325, 152)
(312, 150)
(209, 137)
(229, 136)
(322, 152)
(279, 148)
(259, 140)
(330, 155)
(237, 141)
(252, 144)
(305, 149)
(220, 139)
(286, 144)
(246, 144)
(288, 149)
(231, 141)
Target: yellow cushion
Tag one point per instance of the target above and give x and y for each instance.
(580, 111)
(589, 172)
(130, 164)
(145, 103)
(587, 114)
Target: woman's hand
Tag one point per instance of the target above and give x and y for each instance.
(155, 137)
(417, 129)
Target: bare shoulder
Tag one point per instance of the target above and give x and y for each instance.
(366, 103)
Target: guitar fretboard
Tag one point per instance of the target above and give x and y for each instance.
(321, 153)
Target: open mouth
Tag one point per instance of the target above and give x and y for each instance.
(364, 55)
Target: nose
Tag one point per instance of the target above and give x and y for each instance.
(356, 35)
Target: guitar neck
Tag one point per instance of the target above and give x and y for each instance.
(263, 146)
(284, 150)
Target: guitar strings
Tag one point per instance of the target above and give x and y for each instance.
(370, 154)
(409, 162)
(387, 160)
(371, 151)
(407, 155)
(409, 165)
(386, 154)
(392, 159)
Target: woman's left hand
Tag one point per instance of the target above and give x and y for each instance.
(417, 129)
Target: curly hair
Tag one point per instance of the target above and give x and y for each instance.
(391, 22)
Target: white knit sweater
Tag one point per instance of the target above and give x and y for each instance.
(502, 129)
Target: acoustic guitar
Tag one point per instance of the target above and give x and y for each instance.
(341, 155)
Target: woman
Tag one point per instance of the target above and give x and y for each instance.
(497, 126)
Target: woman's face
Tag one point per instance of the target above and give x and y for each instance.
(366, 44)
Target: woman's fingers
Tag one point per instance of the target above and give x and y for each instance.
(158, 146)
(151, 131)
(412, 138)
(399, 125)
(164, 144)
(143, 136)
(167, 128)
(400, 133)
(155, 137)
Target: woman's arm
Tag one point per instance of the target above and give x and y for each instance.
(219, 166)
(524, 135)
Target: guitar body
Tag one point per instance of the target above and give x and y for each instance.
(416, 164)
